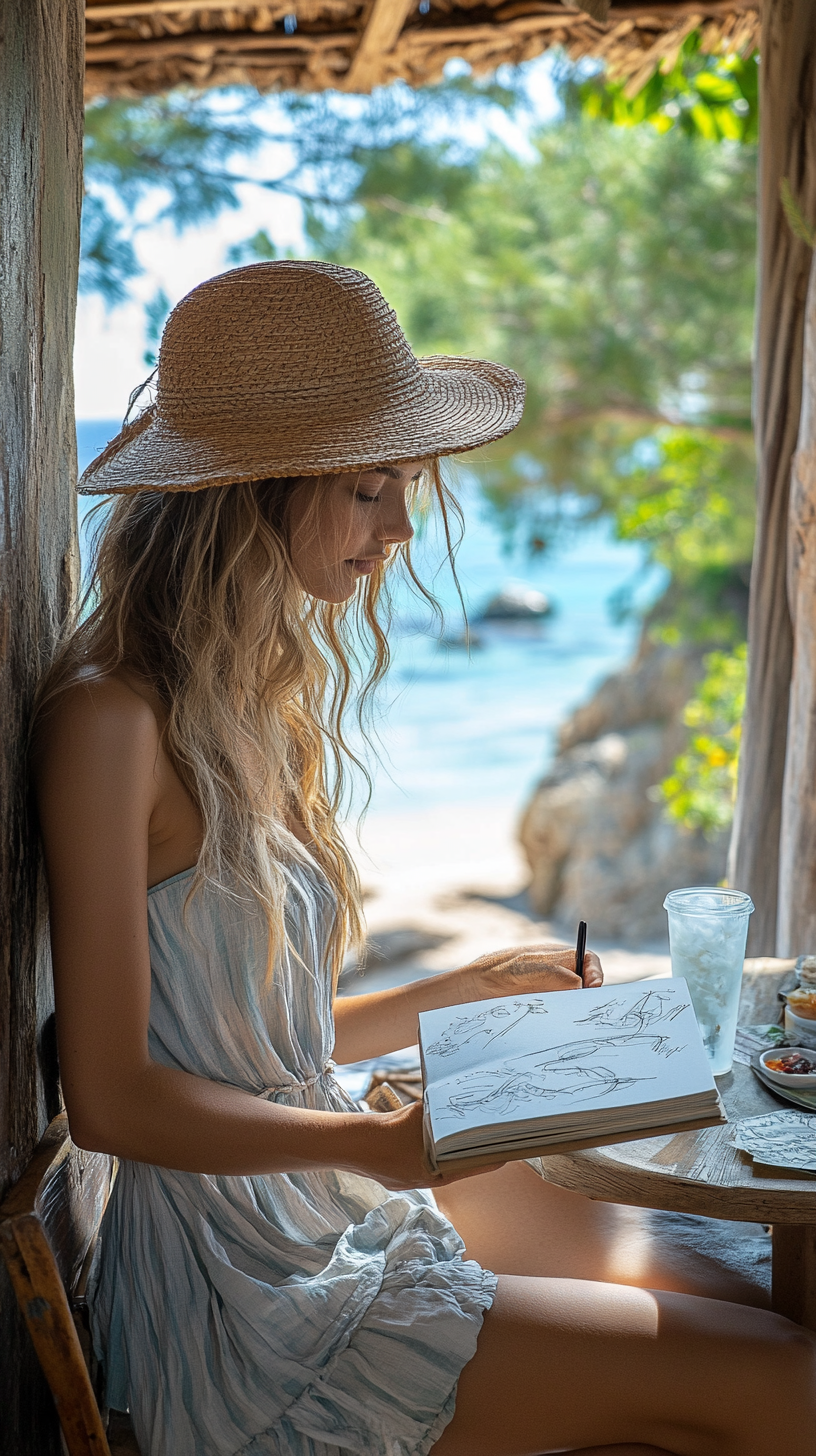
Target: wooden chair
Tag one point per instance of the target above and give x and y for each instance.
(48, 1229)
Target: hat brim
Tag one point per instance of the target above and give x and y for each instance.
(459, 404)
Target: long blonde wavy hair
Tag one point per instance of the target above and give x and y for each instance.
(193, 594)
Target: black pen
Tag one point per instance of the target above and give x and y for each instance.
(580, 950)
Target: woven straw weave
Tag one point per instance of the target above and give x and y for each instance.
(297, 368)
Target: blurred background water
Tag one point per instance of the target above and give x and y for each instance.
(454, 725)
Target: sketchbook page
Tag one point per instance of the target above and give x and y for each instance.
(514, 1059)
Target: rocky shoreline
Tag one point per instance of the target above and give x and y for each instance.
(594, 832)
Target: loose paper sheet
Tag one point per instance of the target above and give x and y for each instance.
(518, 1057)
(783, 1139)
(752, 1039)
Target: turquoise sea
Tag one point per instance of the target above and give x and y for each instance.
(454, 725)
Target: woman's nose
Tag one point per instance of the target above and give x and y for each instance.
(395, 526)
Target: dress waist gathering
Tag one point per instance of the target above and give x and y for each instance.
(300, 1086)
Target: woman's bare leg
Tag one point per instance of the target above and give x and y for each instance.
(571, 1365)
(513, 1222)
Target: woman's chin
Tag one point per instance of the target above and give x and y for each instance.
(341, 585)
(335, 594)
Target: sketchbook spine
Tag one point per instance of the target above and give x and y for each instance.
(427, 1132)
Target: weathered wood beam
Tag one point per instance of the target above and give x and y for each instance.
(381, 34)
(452, 35)
(135, 8)
(41, 72)
(787, 149)
(202, 45)
(797, 856)
(205, 44)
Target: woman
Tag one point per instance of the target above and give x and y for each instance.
(270, 1279)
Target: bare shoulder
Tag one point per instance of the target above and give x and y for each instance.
(96, 721)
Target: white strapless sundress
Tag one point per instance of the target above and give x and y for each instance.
(284, 1314)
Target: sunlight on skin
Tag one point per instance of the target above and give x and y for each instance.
(558, 1233)
(632, 1249)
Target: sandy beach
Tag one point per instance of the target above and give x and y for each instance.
(444, 885)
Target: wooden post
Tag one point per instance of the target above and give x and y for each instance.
(793, 1272)
(41, 74)
(787, 149)
(797, 851)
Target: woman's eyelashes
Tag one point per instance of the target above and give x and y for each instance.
(371, 499)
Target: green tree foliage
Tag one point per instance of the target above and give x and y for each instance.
(614, 269)
(699, 793)
(715, 97)
(183, 157)
(151, 160)
(691, 503)
(156, 312)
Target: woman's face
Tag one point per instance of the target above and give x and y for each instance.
(336, 538)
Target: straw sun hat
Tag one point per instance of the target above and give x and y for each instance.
(296, 368)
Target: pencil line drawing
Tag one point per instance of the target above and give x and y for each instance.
(492, 1023)
(577, 1069)
(497, 1093)
(577, 1051)
(652, 1008)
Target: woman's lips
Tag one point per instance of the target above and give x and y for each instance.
(364, 565)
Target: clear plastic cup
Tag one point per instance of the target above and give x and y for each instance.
(708, 928)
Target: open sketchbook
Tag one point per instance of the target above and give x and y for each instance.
(531, 1074)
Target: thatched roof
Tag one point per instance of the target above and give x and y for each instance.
(140, 47)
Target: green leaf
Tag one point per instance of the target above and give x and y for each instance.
(700, 791)
(715, 96)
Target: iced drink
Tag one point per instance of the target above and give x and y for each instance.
(708, 928)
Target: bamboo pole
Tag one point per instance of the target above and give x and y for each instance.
(787, 149)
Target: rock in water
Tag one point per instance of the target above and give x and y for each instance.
(467, 640)
(516, 603)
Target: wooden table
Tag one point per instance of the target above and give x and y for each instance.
(702, 1172)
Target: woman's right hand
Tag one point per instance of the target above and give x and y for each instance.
(396, 1155)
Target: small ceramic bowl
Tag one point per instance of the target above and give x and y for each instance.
(788, 1079)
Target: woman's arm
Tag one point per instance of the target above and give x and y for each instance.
(97, 790)
(368, 1026)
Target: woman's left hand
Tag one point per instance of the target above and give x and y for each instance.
(527, 968)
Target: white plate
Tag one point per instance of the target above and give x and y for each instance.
(788, 1079)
